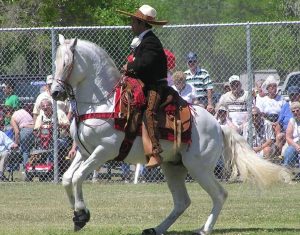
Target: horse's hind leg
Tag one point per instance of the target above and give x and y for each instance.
(175, 176)
(205, 177)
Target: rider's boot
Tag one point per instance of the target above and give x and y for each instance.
(154, 161)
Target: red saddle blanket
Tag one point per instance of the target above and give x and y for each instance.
(165, 116)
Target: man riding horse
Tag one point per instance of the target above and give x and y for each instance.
(150, 66)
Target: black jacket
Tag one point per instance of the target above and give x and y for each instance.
(150, 62)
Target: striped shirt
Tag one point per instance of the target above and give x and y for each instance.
(200, 80)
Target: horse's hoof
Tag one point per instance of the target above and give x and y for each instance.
(80, 219)
(149, 231)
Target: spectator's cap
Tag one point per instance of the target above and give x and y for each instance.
(191, 56)
(295, 105)
(233, 78)
(222, 108)
(270, 80)
(145, 13)
(293, 90)
(49, 79)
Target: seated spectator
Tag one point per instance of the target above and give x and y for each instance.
(5, 145)
(272, 103)
(285, 113)
(61, 105)
(263, 135)
(223, 118)
(291, 154)
(11, 99)
(226, 87)
(185, 90)
(46, 117)
(259, 93)
(235, 101)
(22, 124)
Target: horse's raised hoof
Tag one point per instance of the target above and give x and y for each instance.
(149, 231)
(80, 219)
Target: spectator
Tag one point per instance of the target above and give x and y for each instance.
(200, 79)
(22, 124)
(64, 140)
(259, 93)
(61, 105)
(272, 103)
(11, 99)
(285, 113)
(263, 135)
(185, 90)
(291, 154)
(226, 87)
(5, 145)
(223, 118)
(235, 101)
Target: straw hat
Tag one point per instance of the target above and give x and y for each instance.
(145, 13)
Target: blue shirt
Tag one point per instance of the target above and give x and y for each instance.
(285, 115)
(5, 142)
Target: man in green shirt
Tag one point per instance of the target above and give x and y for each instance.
(11, 99)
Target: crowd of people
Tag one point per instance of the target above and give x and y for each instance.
(22, 128)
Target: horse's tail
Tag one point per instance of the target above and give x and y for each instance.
(242, 160)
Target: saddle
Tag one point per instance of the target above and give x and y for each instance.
(174, 117)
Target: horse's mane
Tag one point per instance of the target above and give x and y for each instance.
(103, 66)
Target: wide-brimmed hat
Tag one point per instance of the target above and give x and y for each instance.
(145, 13)
(270, 80)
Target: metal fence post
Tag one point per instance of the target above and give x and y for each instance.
(250, 83)
(55, 121)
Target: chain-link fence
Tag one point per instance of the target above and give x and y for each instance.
(252, 51)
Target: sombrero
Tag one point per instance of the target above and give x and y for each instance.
(145, 13)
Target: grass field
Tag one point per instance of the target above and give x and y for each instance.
(40, 208)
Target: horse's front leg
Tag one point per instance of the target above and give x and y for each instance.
(81, 213)
(68, 175)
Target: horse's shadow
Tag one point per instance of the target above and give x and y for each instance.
(242, 230)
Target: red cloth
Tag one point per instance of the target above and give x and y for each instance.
(171, 60)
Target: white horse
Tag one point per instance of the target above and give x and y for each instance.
(85, 69)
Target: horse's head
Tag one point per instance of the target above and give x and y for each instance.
(85, 67)
(62, 85)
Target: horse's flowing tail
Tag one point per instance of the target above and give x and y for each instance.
(243, 161)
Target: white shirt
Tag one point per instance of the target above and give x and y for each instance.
(270, 106)
(188, 93)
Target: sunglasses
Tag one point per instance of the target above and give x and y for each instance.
(295, 111)
(192, 61)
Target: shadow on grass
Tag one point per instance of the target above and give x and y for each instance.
(242, 230)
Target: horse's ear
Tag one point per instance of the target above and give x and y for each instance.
(61, 39)
(73, 44)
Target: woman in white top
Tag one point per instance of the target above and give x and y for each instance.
(291, 154)
(185, 90)
(271, 104)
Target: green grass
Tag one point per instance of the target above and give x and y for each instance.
(40, 208)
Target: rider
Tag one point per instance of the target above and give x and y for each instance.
(150, 66)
